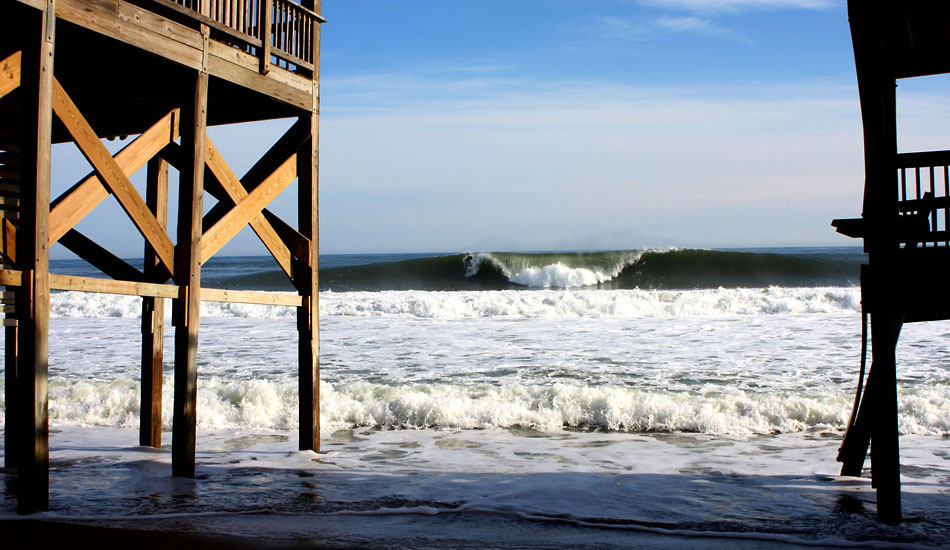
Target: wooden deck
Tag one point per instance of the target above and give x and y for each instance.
(160, 71)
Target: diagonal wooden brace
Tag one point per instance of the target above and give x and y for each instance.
(248, 208)
(10, 73)
(112, 176)
(236, 192)
(79, 200)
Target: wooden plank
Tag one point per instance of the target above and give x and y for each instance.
(10, 73)
(250, 62)
(75, 203)
(249, 297)
(253, 80)
(111, 175)
(135, 26)
(188, 275)
(99, 257)
(298, 244)
(236, 193)
(239, 216)
(111, 286)
(923, 158)
(11, 277)
(153, 316)
(32, 419)
(9, 241)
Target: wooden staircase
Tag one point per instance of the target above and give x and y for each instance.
(10, 176)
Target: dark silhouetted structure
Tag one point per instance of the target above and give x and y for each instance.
(904, 225)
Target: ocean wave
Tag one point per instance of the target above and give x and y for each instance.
(234, 404)
(624, 269)
(506, 304)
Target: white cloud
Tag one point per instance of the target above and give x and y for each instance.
(739, 5)
(542, 164)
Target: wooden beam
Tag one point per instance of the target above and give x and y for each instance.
(111, 286)
(153, 315)
(32, 419)
(249, 297)
(112, 175)
(99, 257)
(130, 24)
(188, 275)
(9, 241)
(248, 208)
(298, 244)
(236, 193)
(78, 201)
(10, 73)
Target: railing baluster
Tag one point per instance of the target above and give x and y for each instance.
(903, 184)
(946, 210)
(933, 211)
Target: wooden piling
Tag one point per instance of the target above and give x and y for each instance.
(153, 315)
(308, 315)
(188, 277)
(33, 259)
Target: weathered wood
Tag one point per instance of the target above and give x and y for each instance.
(111, 175)
(236, 192)
(188, 276)
(33, 298)
(298, 245)
(248, 208)
(228, 64)
(153, 316)
(79, 200)
(99, 257)
(130, 24)
(306, 277)
(249, 297)
(10, 73)
(265, 19)
(9, 241)
(111, 286)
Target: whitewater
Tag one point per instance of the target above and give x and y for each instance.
(553, 415)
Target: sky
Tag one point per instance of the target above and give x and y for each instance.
(452, 126)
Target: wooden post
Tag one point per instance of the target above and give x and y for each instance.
(11, 443)
(876, 87)
(885, 444)
(308, 315)
(264, 21)
(188, 276)
(153, 316)
(33, 258)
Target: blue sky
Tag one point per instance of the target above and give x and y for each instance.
(584, 124)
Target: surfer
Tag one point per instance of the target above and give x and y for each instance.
(468, 260)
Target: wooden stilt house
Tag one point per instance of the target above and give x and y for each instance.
(905, 224)
(161, 72)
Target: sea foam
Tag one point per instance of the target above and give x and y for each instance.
(272, 404)
(509, 304)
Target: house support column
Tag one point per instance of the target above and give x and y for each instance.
(31, 424)
(188, 277)
(153, 315)
(306, 276)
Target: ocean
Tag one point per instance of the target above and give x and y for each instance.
(646, 398)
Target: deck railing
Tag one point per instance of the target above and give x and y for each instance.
(924, 200)
(278, 32)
